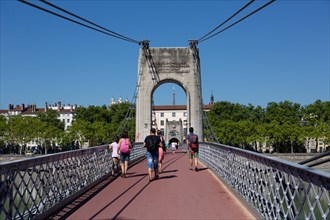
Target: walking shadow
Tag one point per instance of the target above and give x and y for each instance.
(169, 171)
(136, 174)
(167, 177)
(202, 169)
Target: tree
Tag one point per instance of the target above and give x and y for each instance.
(283, 112)
(3, 132)
(51, 118)
(20, 130)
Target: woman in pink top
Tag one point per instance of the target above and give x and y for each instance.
(124, 149)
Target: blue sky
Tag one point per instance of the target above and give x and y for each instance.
(280, 53)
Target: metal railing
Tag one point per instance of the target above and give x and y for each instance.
(31, 187)
(275, 188)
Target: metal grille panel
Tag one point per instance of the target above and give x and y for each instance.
(32, 186)
(275, 188)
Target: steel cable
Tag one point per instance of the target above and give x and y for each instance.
(110, 33)
(255, 11)
(74, 15)
(240, 10)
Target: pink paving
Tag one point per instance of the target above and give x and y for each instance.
(179, 193)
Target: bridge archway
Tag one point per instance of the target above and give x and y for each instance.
(173, 126)
(161, 65)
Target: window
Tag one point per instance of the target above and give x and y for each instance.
(162, 122)
(173, 114)
(68, 120)
(185, 114)
(162, 114)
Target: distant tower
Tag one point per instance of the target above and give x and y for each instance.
(112, 101)
(173, 95)
(212, 99)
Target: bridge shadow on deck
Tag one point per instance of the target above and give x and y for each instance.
(179, 193)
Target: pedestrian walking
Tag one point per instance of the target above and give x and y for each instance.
(124, 150)
(161, 151)
(152, 143)
(173, 147)
(115, 157)
(193, 147)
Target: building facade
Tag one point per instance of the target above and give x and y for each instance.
(172, 121)
(66, 112)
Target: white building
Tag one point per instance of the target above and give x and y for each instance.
(171, 120)
(66, 112)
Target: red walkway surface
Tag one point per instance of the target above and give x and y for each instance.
(179, 193)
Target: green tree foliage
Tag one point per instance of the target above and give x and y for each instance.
(20, 131)
(3, 132)
(285, 125)
(51, 119)
(283, 112)
(100, 125)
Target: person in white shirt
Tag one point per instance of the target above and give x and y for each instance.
(115, 157)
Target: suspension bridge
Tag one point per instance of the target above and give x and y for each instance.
(232, 183)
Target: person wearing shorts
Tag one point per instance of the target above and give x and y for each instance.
(152, 143)
(115, 157)
(124, 149)
(192, 153)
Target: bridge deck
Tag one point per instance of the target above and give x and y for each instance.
(179, 193)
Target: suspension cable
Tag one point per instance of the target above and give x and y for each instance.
(255, 11)
(74, 15)
(244, 7)
(212, 136)
(150, 61)
(82, 24)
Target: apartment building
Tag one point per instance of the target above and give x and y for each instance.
(66, 112)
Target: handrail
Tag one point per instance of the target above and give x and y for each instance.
(32, 187)
(275, 188)
(315, 158)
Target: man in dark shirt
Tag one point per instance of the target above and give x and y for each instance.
(152, 142)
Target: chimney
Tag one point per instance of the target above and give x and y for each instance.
(34, 108)
(59, 106)
(10, 107)
(46, 106)
(23, 107)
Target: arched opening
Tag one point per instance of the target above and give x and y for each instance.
(169, 111)
(169, 94)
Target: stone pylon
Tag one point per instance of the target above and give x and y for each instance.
(168, 65)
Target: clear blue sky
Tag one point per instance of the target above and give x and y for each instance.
(280, 53)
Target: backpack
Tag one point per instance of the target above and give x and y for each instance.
(193, 142)
(152, 143)
(124, 146)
